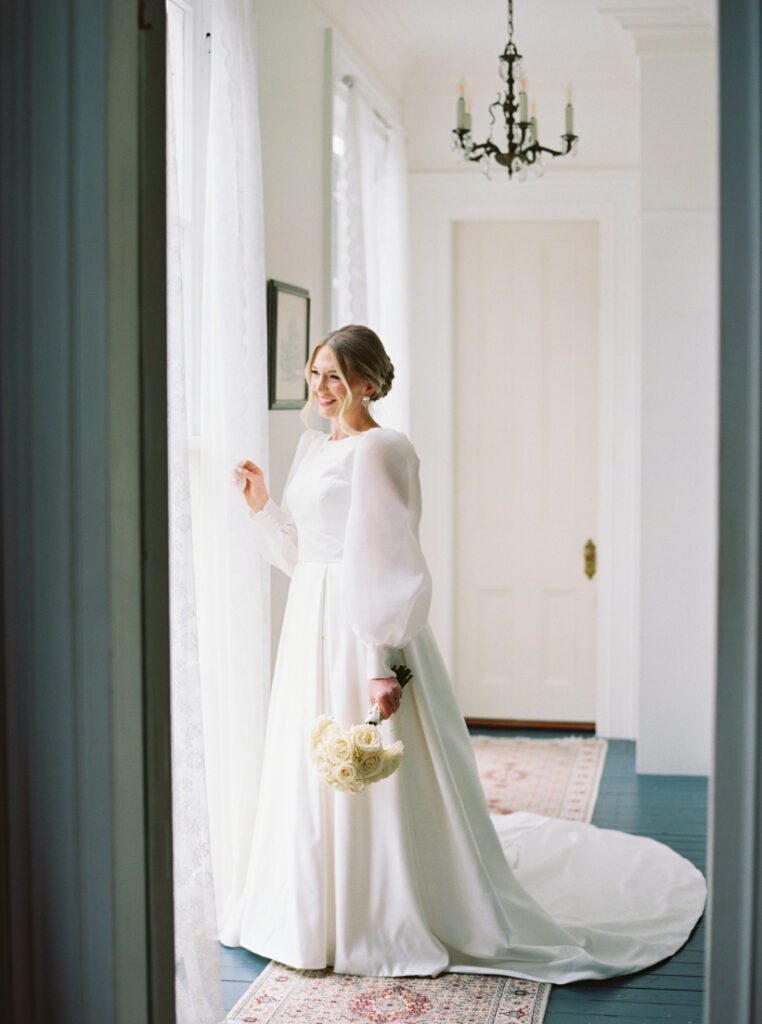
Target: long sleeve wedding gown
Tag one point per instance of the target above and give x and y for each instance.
(414, 877)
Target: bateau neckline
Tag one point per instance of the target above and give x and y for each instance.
(349, 437)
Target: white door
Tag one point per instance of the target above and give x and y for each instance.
(525, 419)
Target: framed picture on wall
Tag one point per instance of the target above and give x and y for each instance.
(288, 340)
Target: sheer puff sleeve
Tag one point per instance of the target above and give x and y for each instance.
(275, 534)
(387, 586)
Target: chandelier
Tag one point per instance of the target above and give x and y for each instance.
(523, 147)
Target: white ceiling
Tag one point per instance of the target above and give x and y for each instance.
(448, 35)
(571, 39)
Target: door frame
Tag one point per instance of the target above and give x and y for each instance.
(86, 927)
(734, 946)
(611, 198)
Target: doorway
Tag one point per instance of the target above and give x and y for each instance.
(608, 202)
(525, 424)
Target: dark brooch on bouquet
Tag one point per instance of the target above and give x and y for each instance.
(352, 759)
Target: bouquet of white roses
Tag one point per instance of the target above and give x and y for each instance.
(351, 759)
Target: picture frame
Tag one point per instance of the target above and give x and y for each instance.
(288, 344)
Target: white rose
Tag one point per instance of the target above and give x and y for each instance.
(322, 765)
(365, 737)
(338, 748)
(392, 758)
(371, 765)
(344, 776)
(323, 727)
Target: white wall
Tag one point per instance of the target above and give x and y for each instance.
(291, 62)
(679, 412)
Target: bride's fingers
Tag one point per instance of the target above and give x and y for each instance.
(386, 693)
(247, 466)
(388, 707)
(247, 474)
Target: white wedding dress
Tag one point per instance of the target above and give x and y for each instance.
(414, 877)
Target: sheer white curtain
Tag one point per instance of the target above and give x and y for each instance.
(234, 601)
(372, 252)
(220, 658)
(198, 982)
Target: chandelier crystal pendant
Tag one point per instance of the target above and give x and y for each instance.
(523, 147)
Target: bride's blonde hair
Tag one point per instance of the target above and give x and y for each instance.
(357, 350)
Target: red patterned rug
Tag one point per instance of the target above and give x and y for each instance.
(282, 995)
(557, 778)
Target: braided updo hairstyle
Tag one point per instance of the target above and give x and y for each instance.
(357, 350)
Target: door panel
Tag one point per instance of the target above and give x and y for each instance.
(525, 412)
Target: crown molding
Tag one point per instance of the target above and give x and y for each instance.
(682, 27)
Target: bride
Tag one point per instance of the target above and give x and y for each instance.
(413, 876)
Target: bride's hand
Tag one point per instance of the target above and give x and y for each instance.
(254, 490)
(387, 693)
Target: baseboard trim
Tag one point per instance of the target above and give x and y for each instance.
(515, 723)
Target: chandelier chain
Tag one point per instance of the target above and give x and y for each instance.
(510, 20)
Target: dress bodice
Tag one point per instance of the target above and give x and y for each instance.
(319, 495)
(357, 501)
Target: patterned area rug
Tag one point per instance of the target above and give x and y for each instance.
(281, 995)
(557, 778)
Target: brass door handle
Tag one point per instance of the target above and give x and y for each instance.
(591, 559)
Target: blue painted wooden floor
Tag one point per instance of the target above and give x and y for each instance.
(671, 809)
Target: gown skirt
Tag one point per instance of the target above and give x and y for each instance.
(414, 876)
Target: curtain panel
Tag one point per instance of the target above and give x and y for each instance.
(198, 985)
(234, 594)
(220, 600)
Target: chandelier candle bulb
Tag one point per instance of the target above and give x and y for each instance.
(569, 112)
(460, 112)
(569, 119)
(523, 102)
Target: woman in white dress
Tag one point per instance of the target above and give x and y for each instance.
(413, 876)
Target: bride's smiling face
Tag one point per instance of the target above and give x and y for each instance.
(328, 386)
